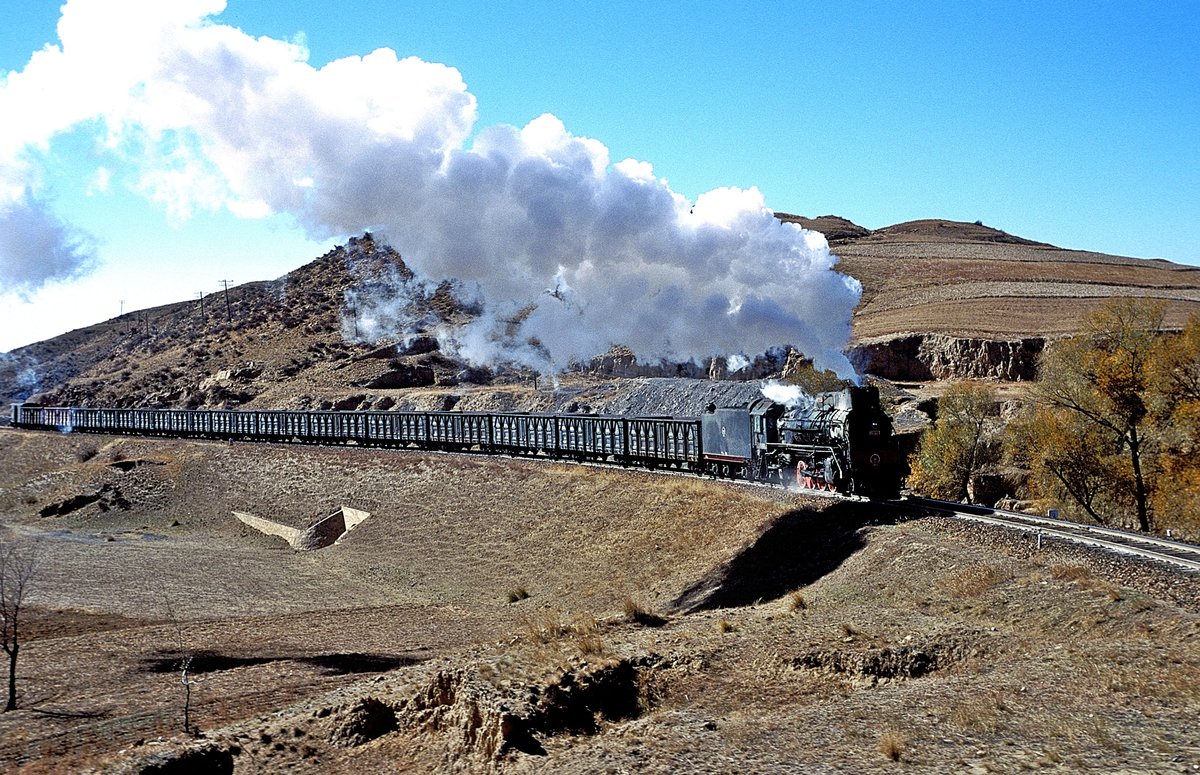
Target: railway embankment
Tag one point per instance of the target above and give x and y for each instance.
(495, 615)
(1178, 587)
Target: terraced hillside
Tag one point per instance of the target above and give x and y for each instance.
(969, 280)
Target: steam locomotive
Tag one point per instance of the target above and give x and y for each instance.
(840, 441)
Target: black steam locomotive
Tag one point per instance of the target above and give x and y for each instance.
(840, 441)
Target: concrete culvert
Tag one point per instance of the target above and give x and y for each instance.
(324, 532)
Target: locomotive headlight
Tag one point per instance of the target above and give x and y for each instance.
(875, 459)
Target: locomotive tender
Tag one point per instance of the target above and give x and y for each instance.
(842, 441)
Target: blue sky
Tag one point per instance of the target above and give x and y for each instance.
(1069, 123)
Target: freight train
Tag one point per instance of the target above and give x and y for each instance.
(840, 441)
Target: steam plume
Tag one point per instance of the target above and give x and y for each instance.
(540, 222)
(36, 247)
(791, 396)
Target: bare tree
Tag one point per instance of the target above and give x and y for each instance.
(18, 571)
(185, 666)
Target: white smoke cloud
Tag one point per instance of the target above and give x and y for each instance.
(36, 247)
(737, 362)
(791, 396)
(201, 116)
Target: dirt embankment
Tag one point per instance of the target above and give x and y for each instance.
(516, 616)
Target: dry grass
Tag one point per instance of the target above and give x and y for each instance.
(982, 713)
(1070, 572)
(974, 581)
(636, 612)
(891, 744)
(585, 634)
(1052, 667)
(545, 625)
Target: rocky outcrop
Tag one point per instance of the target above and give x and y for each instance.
(402, 375)
(837, 230)
(924, 357)
(362, 722)
(621, 362)
(479, 722)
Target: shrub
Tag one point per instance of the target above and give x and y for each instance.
(891, 744)
(636, 613)
(1069, 572)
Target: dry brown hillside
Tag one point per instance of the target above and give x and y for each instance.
(512, 616)
(522, 616)
(941, 299)
(969, 280)
(296, 330)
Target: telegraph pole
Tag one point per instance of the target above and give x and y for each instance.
(228, 311)
(203, 317)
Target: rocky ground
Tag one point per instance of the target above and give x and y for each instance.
(520, 616)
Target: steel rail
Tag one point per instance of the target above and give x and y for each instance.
(1174, 553)
(1103, 530)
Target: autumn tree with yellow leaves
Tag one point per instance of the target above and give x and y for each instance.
(1114, 429)
(1178, 410)
(955, 448)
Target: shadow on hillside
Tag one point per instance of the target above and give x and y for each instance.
(797, 549)
(330, 664)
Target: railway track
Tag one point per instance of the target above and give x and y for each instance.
(1175, 554)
